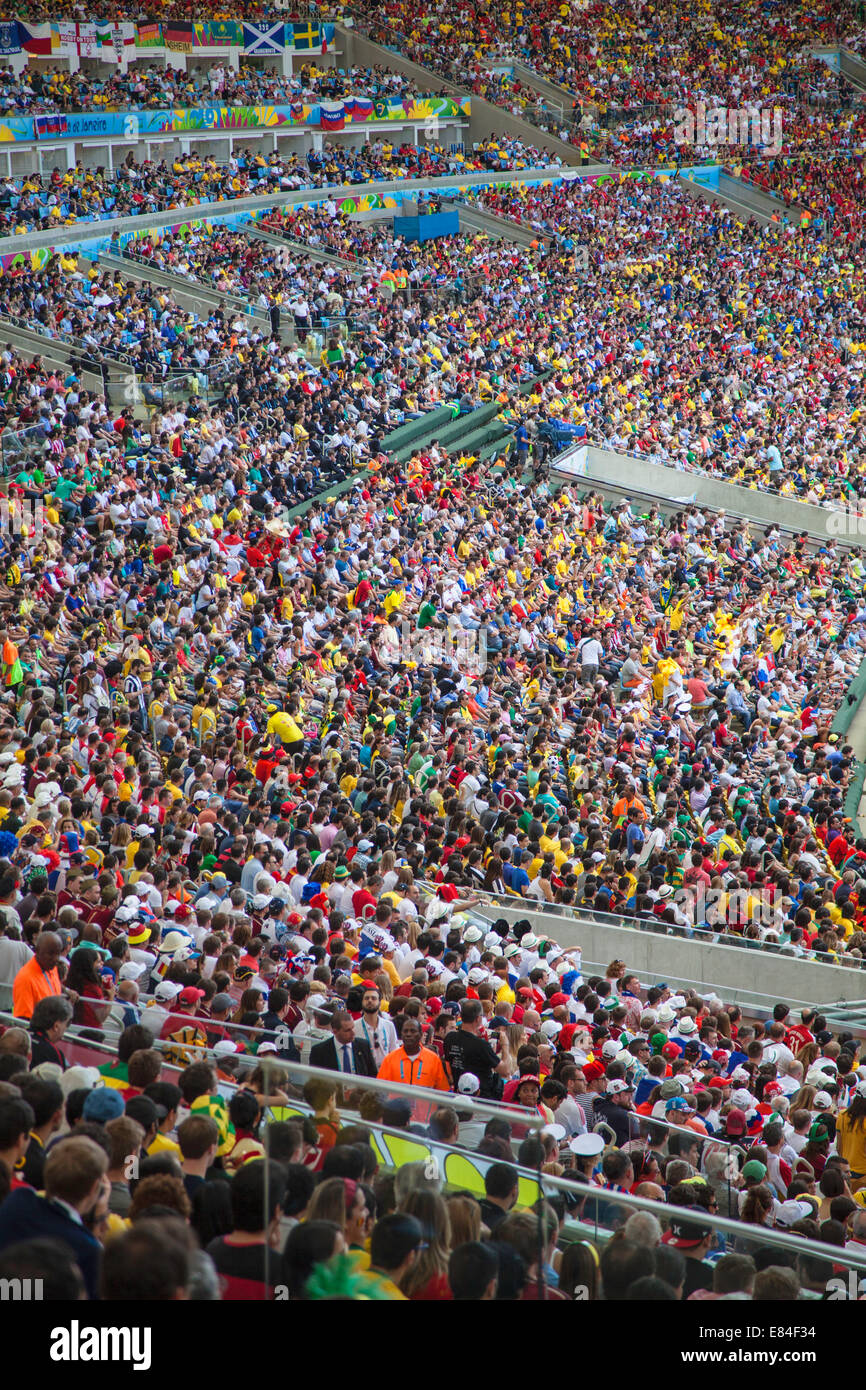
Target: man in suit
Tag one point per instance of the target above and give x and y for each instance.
(343, 1051)
(74, 1183)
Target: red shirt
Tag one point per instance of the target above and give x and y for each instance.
(361, 900)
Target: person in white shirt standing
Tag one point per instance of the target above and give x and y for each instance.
(374, 1028)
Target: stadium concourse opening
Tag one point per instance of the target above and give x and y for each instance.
(431, 509)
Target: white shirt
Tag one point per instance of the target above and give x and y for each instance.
(382, 1037)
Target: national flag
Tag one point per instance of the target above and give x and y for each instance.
(306, 37)
(35, 39)
(221, 32)
(50, 125)
(332, 115)
(361, 108)
(114, 36)
(264, 38)
(177, 35)
(327, 31)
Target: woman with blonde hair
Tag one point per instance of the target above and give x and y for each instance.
(464, 1215)
(342, 1200)
(427, 1279)
(388, 871)
(807, 1055)
(386, 988)
(804, 1099)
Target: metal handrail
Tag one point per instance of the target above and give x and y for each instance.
(482, 1110)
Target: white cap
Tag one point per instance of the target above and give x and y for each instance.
(611, 1048)
(616, 1087)
(688, 1025)
(132, 970)
(550, 1028)
(225, 1047)
(468, 1085)
(586, 1145)
(789, 1212)
(557, 1132)
(167, 990)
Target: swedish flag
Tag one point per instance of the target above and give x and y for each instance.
(306, 36)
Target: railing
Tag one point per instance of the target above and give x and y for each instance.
(709, 936)
(595, 1212)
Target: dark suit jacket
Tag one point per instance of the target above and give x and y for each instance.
(25, 1216)
(324, 1054)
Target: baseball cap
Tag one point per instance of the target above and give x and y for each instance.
(132, 970)
(685, 1234)
(617, 1087)
(103, 1104)
(755, 1169)
(469, 1085)
(167, 990)
(191, 995)
(789, 1212)
(735, 1122)
(611, 1048)
(550, 1028)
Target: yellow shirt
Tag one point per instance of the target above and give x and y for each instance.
(162, 1144)
(284, 726)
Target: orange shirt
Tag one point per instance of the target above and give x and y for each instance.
(425, 1069)
(31, 984)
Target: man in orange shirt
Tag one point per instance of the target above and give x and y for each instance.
(39, 977)
(414, 1065)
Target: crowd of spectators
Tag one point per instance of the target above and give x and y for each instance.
(37, 91)
(627, 71)
(288, 720)
(89, 193)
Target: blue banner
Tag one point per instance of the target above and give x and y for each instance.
(10, 41)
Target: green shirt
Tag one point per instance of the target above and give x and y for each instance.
(426, 615)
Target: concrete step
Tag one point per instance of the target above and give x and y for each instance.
(193, 295)
(257, 233)
(744, 199)
(406, 435)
